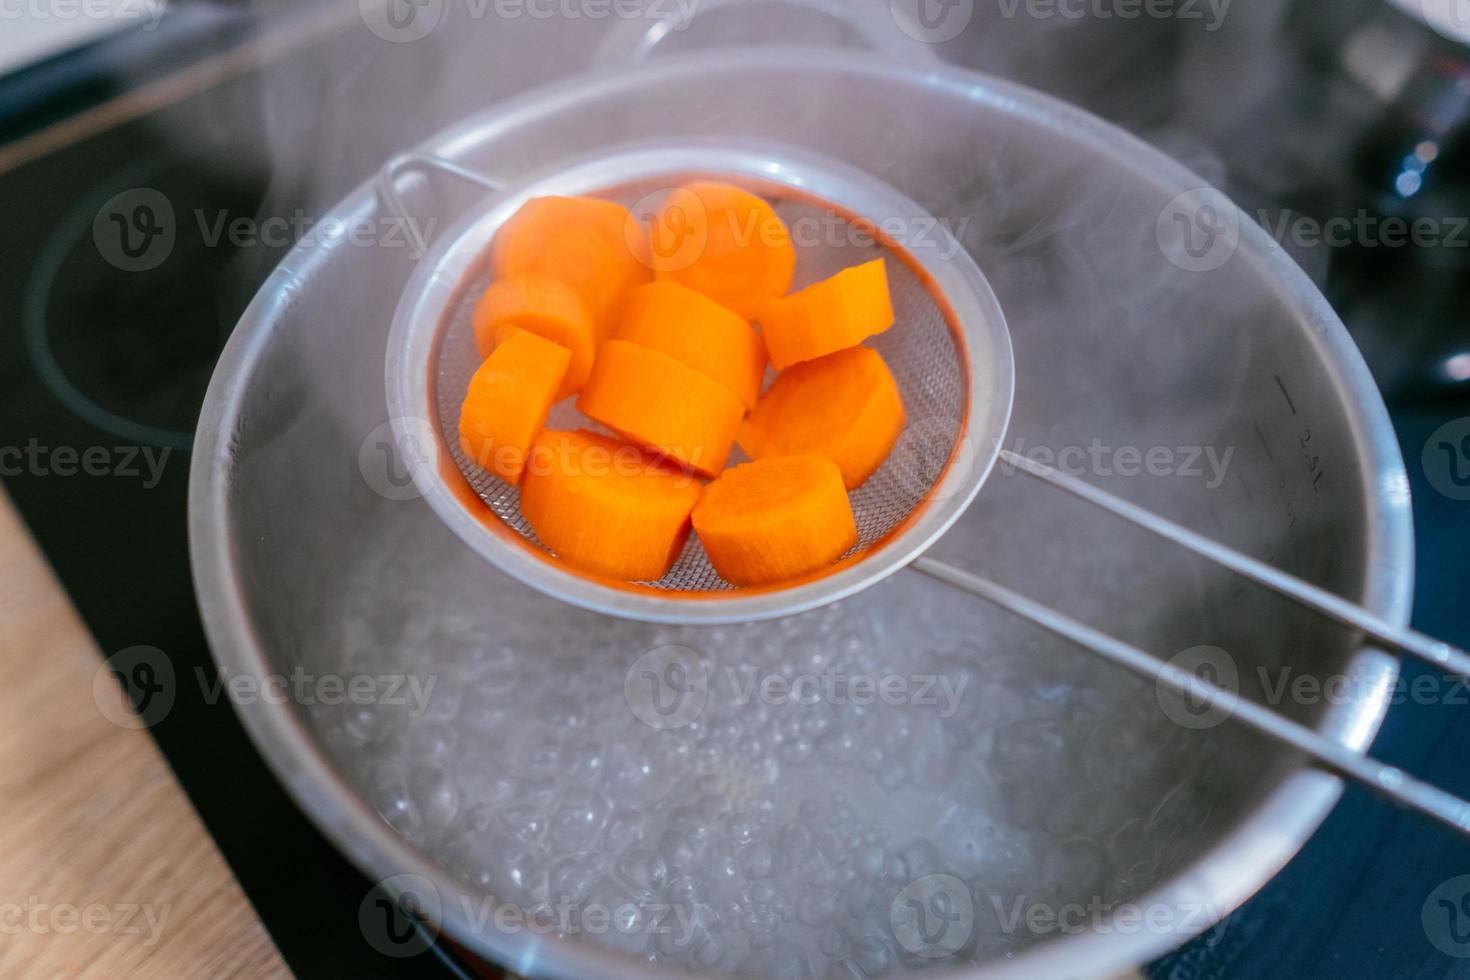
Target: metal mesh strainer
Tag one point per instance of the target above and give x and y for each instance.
(948, 350)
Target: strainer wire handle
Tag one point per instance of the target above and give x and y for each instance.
(1384, 779)
(405, 163)
(1427, 648)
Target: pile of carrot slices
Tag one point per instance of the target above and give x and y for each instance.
(653, 331)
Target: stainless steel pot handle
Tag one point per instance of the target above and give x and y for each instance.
(1386, 780)
(632, 40)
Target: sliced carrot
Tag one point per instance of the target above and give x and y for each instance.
(724, 242)
(828, 316)
(694, 329)
(545, 307)
(590, 244)
(605, 506)
(662, 405)
(775, 518)
(845, 406)
(507, 402)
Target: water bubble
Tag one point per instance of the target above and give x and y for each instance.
(758, 860)
(818, 906)
(797, 750)
(435, 797)
(525, 820)
(567, 877)
(577, 821)
(871, 861)
(364, 723)
(891, 777)
(390, 797)
(432, 743)
(684, 890)
(872, 955)
(742, 827)
(517, 872)
(641, 869)
(637, 774)
(612, 913)
(783, 962)
(843, 970)
(624, 827)
(763, 892)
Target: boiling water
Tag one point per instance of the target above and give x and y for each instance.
(856, 791)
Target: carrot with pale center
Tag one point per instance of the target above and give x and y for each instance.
(724, 242)
(590, 244)
(694, 329)
(774, 519)
(606, 506)
(545, 307)
(845, 406)
(663, 405)
(507, 402)
(828, 316)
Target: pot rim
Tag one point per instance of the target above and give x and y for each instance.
(1218, 882)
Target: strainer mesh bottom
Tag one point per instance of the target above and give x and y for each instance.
(919, 349)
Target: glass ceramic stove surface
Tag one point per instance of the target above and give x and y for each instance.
(116, 296)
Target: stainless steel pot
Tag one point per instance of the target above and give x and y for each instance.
(304, 559)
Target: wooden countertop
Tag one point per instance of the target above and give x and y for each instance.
(105, 869)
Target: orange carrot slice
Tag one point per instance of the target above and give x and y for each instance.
(662, 405)
(545, 307)
(507, 402)
(775, 518)
(590, 244)
(723, 242)
(606, 506)
(844, 406)
(697, 331)
(828, 316)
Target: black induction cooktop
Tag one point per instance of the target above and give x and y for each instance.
(115, 300)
